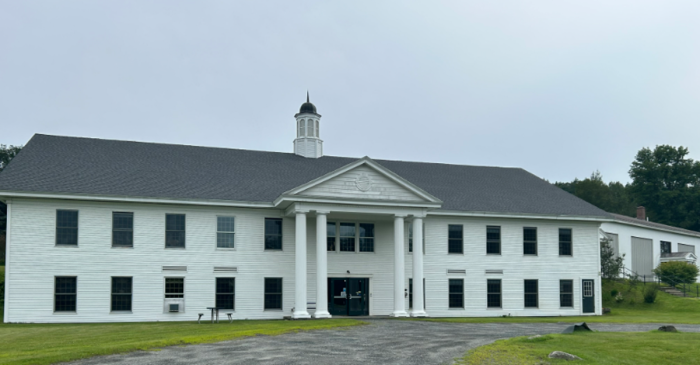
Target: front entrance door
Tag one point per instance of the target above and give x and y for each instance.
(348, 296)
(588, 296)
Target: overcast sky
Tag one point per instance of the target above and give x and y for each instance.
(558, 88)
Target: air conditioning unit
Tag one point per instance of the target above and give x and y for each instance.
(174, 305)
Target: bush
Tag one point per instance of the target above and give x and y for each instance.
(650, 292)
(677, 272)
(619, 298)
(613, 293)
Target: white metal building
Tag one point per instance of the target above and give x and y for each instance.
(116, 231)
(646, 244)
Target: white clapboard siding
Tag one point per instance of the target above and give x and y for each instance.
(345, 186)
(35, 261)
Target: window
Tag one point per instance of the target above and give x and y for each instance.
(225, 232)
(410, 237)
(493, 292)
(273, 293)
(330, 236)
(347, 237)
(455, 239)
(65, 292)
(564, 241)
(566, 293)
(318, 134)
(121, 294)
(456, 290)
(531, 297)
(174, 287)
(493, 240)
(302, 128)
(226, 293)
(366, 237)
(665, 247)
(122, 229)
(273, 233)
(67, 227)
(529, 241)
(175, 231)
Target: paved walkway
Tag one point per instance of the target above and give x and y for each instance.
(380, 342)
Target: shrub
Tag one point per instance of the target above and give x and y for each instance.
(650, 292)
(613, 293)
(677, 272)
(619, 298)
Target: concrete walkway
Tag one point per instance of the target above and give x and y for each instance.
(383, 341)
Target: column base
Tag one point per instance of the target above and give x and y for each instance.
(301, 315)
(398, 314)
(322, 314)
(419, 314)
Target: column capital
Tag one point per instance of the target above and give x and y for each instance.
(400, 215)
(323, 212)
(300, 211)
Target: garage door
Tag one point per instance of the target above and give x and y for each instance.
(686, 248)
(642, 256)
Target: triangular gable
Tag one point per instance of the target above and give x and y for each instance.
(363, 179)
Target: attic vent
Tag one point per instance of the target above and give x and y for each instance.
(174, 268)
(225, 269)
(494, 271)
(456, 271)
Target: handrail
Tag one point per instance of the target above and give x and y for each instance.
(672, 281)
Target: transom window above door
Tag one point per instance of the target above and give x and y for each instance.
(350, 237)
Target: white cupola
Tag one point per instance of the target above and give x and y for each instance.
(308, 142)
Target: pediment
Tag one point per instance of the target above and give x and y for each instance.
(363, 180)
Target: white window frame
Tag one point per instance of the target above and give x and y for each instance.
(235, 223)
(357, 237)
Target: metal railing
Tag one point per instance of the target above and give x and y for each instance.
(688, 290)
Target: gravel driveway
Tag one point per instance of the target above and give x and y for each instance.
(383, 341)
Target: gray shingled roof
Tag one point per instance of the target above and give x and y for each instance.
(653, 225)
(52, 164)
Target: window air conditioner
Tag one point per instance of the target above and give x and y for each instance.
(174, 307)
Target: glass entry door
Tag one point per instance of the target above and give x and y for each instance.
(348, 296)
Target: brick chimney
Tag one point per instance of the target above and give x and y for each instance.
(641, 213)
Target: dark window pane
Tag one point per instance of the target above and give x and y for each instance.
(122, 229)
(225, 224)
(366, 237)
(566, 293)
(565, 242)
(493, 293)
(66, 227)
(410, 293)
(65, 291)
(225, 293)
(121, 294)
(410, 237)
(347, 230)
(330, 236)
(493, 239)
(347, 237)
(455, 242)
(273, 293)
(529, 241)
(174, 287)
(225, 240)
(175, 230)
(273, 233)
(456, 299)
(665, 247)
(531, 294)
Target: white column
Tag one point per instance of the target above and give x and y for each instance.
(399, 280)
(418, 310)
(300, 267)
(321, 267)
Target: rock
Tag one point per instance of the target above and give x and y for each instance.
(668, 329)
(563, 355)
(606, 310)
(534, 337)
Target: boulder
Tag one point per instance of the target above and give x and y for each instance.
(668, 329)
(563, 355)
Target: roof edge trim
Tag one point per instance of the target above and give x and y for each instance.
(67, 196)
(520, 215)
(669, 230)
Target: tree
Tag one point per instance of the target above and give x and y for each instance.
(6, 154)
(613, 197)
(610, 264)
(667, 183)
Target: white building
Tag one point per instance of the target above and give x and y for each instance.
(116, 231)
(646, 244)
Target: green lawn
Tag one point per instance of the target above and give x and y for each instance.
(666, 309)
(594, 348)
(50, 343)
